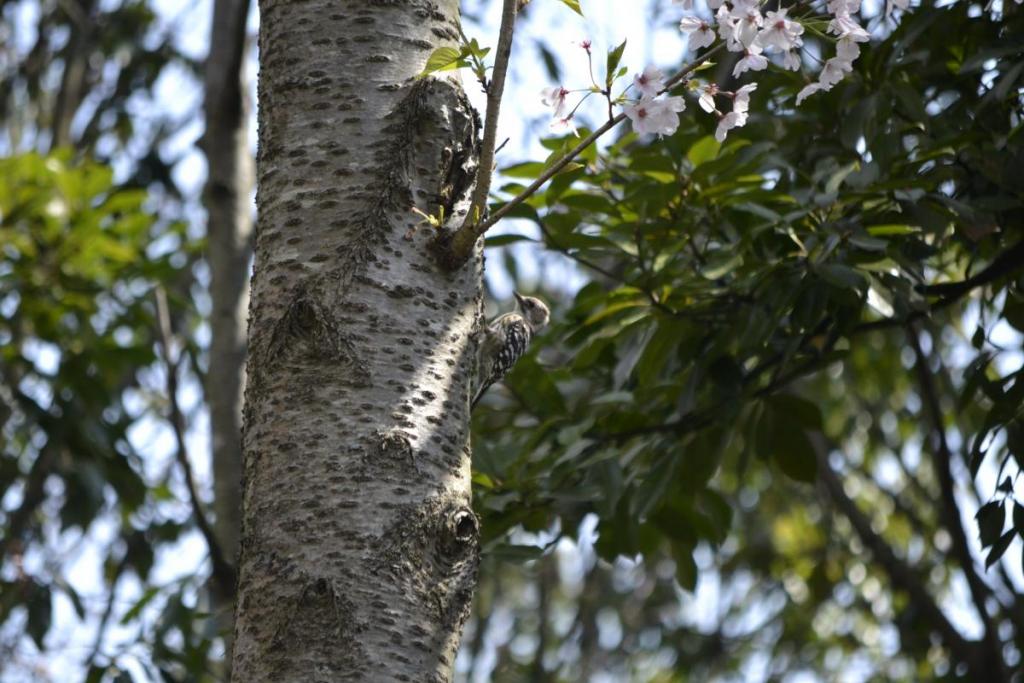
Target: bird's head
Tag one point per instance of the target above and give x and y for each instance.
(534, 311)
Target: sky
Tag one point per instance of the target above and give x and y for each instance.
(649, 26)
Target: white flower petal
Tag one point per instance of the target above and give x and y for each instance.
(649, 82)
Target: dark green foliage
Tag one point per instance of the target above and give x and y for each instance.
(747, 318)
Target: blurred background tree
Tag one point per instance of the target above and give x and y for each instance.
(774, 433)
(106, 337)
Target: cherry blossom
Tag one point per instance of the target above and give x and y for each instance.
(791, 60)
(564, 125)
(699, 32)
(707, 97)
(555, 97)
(808, 91)
(650, 82)
(727, 28)
(847, 50)
(845, 27)
(740, 111)
(752, 60)
(741, 98)
(733, 119)
(748, 24)
(844, 7)
(655, 116)
(780, 33)
(833, 72)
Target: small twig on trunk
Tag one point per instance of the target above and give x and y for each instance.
(223, 572)
(494, 93)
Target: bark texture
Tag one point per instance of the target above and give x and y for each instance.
(359, 549)
(229, 234)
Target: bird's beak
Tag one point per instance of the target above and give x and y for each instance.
(519, 297)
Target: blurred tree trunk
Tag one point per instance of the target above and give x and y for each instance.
(359, 549)
(229, 183)
(74, 84)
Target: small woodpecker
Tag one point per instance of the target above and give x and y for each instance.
(506, 339)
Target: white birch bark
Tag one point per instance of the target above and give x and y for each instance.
(359, 549)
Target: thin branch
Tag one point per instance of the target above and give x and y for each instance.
(950, 510)
(223, 572)
(101, 629)
(494, 93)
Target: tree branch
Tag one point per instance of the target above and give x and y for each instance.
(108, 610)
(31, 499)
(902, 575)
(950, 510)
(1007, 263)
(223, 571)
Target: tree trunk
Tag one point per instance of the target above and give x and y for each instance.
(230, 178)
(73, 84)
(359, 549)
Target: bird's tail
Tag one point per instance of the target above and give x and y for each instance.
(479, 395)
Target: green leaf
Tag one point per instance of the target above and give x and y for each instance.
(794, 453)
(990, 522)
(40, 614)
(1018, 518)
(892, 229)
(140, 604)
(530, 379)
(475, 50)
(504, 240)
(842, 276)
(443, 59)
(781, 436)
(574, 5)
(614, 57)
(704, 150)
(722, 263)
(664, 340)
(1013, 311)
(686, 567)
(806, 413)
(998, 548)
(528, 170)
